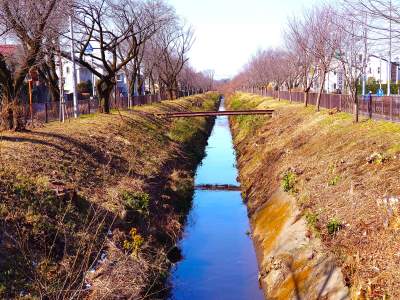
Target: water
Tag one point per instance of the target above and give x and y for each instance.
(219, 258)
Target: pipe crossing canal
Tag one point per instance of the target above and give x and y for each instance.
(268, 112)
(219, 261)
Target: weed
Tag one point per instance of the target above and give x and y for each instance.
(334, 181)
(134, 243)
(137, 201)
(312, 219)
(289, 182)
(377, 158)
(333, 226)
(312, 222)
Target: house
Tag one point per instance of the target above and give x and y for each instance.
(334, 80)
(82, 75)
(377, 69)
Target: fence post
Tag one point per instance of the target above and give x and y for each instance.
(391, 108)
(46, 120)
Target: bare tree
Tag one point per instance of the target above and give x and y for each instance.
(118, 30)
(352, 59)
(326, 36)
(299, 38)
(161, 15)
(170, 47)
(30, 24)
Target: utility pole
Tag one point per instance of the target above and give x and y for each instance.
(390, 50)
(61, 86)
(364, 79)
(75, 95)
(93, 81)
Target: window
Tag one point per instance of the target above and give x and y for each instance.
(379, 70)
(334, 86)
(67, 70)
(119, 77)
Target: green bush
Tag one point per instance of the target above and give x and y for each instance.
(333, 226)
(137, 201)
(84, 87)
(312, 222)
(374, 87)
(289, 182)
(334, 181)
(311, 219)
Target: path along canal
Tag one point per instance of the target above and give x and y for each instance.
(219, 259)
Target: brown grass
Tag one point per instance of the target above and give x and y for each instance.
(344, 171)
(57, 180)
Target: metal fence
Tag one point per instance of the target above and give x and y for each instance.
(50, 111)
(387, 107)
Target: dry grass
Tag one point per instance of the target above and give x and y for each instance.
(345, 173)
(54, 178)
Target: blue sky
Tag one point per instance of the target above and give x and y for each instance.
(228, 32)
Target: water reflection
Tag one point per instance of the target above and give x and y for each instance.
(219, 260)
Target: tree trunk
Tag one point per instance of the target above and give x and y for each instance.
(104, 89)
(12, 116)
(306, 98)
(320, 91)
(290, 95)
(141, 91)
(356, 107)
(171, 94)
(54, 93)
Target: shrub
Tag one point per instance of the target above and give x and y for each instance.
(289, 182)
(312, 222)
(84, 87)
(333, 226)
(334, 181)
(134, 243)
(137, 201)
(312, 219)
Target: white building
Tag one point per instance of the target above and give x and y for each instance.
(377, 69)
(334, 80)
(82, 75)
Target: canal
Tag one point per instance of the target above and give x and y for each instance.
(219, 260)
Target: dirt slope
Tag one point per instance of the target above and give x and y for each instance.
(344, 177)
(106, 194)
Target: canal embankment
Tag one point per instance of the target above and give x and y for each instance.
(93, 208)
(323, 200)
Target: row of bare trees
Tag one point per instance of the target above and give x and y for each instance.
(143, 39)
(326, 38)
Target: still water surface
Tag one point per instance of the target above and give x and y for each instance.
(219, 258)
